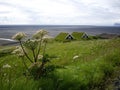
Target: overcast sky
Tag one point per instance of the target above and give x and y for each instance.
(60, 12)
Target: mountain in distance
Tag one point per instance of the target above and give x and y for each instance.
(117, 24)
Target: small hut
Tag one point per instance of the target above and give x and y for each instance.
(74, 36)
(64, 36)
(77, 35)
(80, 35)
(69, 37)
(84, 36)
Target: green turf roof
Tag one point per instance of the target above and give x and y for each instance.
(77, 35)
(61, 36)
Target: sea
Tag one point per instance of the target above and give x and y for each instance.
(7, 31)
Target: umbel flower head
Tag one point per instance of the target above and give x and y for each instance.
(6, 66)
(46, 38)
(39, 34)
(40, 57)
(19, 36)
(31, 44)
(18, 51)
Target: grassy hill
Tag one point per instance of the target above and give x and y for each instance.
(83, 65)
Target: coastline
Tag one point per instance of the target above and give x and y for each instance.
(7, 31)
(7, 43)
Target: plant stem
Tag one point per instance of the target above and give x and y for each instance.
(44, 49)
(25, 64)
(40, 71)
(34, 56)
(39, 47)
(25, 52)
(9, 78)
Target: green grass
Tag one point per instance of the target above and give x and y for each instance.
(61, 36)
(5, 50)
(77, 35)
(97, 60)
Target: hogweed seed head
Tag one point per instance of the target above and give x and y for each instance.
(6, 66)
(75, 57)
(19, 36)
(39, 34)
(18, 51)
(40, 57)
(47, 38)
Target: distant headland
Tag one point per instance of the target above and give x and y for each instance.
(117, 24)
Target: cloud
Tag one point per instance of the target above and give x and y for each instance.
(100, 12)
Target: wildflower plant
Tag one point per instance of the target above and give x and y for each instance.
(19, 36)
(37, 46)
(5, 76)
(6, 66)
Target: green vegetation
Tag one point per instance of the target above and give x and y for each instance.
(6, 51)
(61, 36)
(77, 35)
(34, 50)
(79, 65)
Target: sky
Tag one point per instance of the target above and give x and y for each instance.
(59, 12)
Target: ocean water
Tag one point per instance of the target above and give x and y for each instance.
(7, 31)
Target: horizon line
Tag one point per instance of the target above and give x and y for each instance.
(53, 25)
